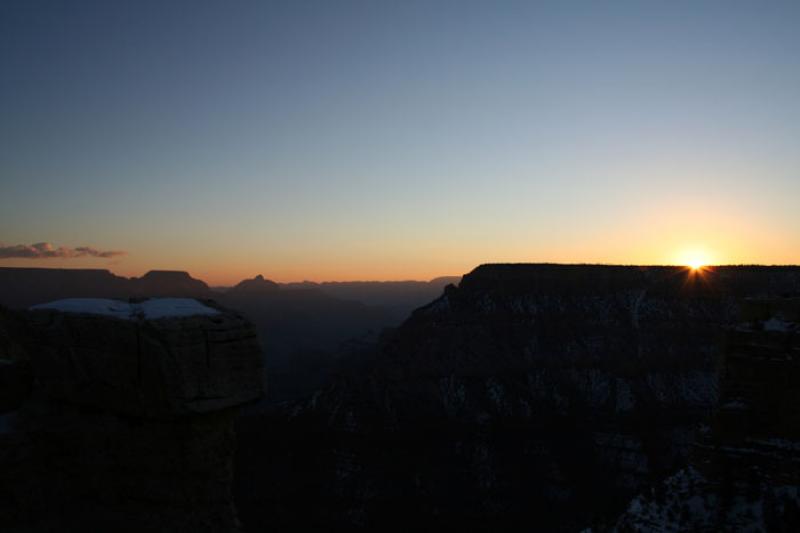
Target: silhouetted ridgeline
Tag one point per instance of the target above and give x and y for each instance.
(398, 297)
(22, 287)
(256, 285)
(530, 397)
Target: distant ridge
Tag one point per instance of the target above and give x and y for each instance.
(169, 283)
(23, 287)
(258, 284)
(402, 296)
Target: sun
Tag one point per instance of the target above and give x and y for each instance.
(696, 264)
(695, 260)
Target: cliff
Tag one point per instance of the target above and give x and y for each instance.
(744, 471)
(125, 422)
(541, 396)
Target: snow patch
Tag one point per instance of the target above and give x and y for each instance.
(93, 306)
(152, 309)
(172, 307)
(7, 422)
(735, 404)
(625, 400)
(776, 324)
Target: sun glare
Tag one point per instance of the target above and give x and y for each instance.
(696, 264)
(694, 260)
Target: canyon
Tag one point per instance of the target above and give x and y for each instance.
(526, 397)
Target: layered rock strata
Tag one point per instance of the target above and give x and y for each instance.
(127, 422)
(745, 466)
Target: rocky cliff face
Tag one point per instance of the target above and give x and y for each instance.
(540, 395)
(744, 472)
(126, 423)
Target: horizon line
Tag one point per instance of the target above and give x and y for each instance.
(407, 280)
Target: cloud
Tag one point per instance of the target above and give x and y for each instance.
(45, 250)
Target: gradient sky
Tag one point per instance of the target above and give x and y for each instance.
(386, 140)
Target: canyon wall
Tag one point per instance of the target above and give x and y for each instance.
(744, 469)
(528, 397)
(122, 423)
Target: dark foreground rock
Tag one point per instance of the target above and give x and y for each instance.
(126, 424)
(744, 472)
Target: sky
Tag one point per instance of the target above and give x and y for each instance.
(396, 140)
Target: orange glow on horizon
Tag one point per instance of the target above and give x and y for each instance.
(693, 243)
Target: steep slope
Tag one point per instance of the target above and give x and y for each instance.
(744, 473)
(540, 395)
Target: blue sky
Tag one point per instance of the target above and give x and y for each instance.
(376, 140)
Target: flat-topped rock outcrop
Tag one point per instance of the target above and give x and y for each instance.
(159, 357)
(127, 420)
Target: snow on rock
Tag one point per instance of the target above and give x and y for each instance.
(453, 394)
(625, 401)
(689, 501)
(93, 306)
(7, 422)
(152, 309)
(777, 324)
(173, 307)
